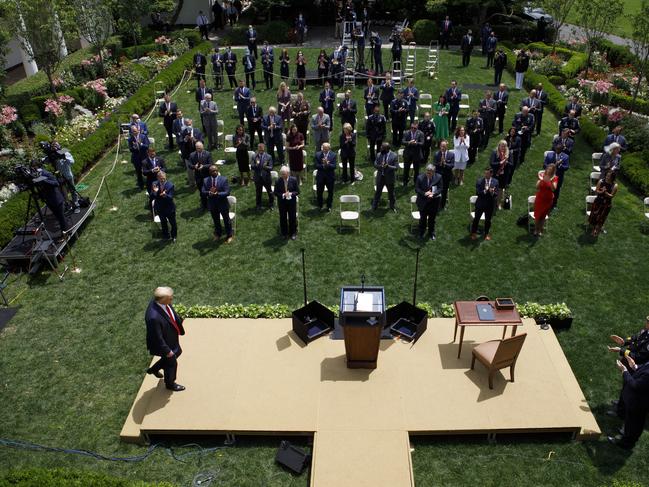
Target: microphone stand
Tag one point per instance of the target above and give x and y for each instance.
(414, 290)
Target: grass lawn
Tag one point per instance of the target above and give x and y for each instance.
(73, 358)
(622, 26)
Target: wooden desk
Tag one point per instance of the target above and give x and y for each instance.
(466, 314)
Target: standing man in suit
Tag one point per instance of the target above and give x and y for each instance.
(201, 91)
(152, 165)
(242, 99)
(386, 167)
(163, 327)
(524, 124)
(387, 94)
(444, 161)
(267, 61)
(138, 144)
(325, 164)
(413, 143)
(445, 32)
(492, 42)
(542, 98)
(486, 189)
(573, 105)
(397, 47)
(371, 95)
(203, 25)
(209, 111)
(398, 112)
(635, 396)
(488, 107)
(429, 188)
(502, 98)
(177, 128)
(347, 110)
(168, 111)
(411, 95)
(249, 65)
(564, 141)
(216, 190)
(272, 125)
(375, 129)
(255, 115)
(327, 99)
(320, 126)
(286, 191)
(262, 165)
(251, 39)
(499, 63)
(571, 122)
(162, 192)
(475, 129)
(136, 120)
(200, 161)
(200, 61)
(615, 136)
(453, 96)
(217, 67)
(230, 60)
(466, 46)
(534, 105)
(190, 137)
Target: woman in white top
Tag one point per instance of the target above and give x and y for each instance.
(461, 150)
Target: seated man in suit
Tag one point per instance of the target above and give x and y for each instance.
(151, 166)
(320, 126)
(564, 141)
(615, 136)
(347, 110)
(429, 188)
(262, 165)
(486, 189)
(286, 191)
(162, 193)
(573, 104)
(413, 143)
(571, 122)
(444, 161)
(325, 164)
(386, 167)
(163, 327)
(217, 190)
(168, 111)
(200, 162)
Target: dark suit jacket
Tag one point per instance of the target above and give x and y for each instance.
(293, 188)
(347, 149)
(467, 43)
(494, 162)
(326, 166)
(568, 144)
(261, 166)
(450, 162)
(375, 126)
(569, 123)
(327, 99)
(251, 113)
(572, 106)
(349, 115)
(148, 166)
(276, 135)
(161, 336)
(542, 96)
(200, 60)
(563, 162)
(449, 97)
(374, 98)
(203, 159)
(422, 186)
(168, 120)
(486, 198)
(219, 200)
(414, 150)
(386, 166)
(49, 189)
(177, 128)
(636, 389)
(164, 205)
(138, 153)
(230, 61)
(253, 63)
(504, 99)
(200, 95)
(610, 138)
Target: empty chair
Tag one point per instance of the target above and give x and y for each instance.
(590, 199)
(350, 210)
(499, 354)
(229, 144)
(596, 158)
(315, 188)
(401, 164)
(233, 212)
(220, 132)
(464, 102)
(593, 179)
(156, 218)
(425, 101)
(414, 211)
(646, 208)
(340, 96)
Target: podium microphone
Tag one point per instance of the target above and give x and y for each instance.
(414, 290)
(363, 282)
(304, 276)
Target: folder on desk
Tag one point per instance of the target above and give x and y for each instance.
(485, 312)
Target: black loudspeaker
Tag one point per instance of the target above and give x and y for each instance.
(292, 457)
(312, 321)
(407, 320)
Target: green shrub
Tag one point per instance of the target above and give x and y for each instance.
(556, 79)
(636, 132)
(635, 169)
(275, 32)
(66, 477)
(135, 52)
(617, 54)
(235, 36)
(575, 65)
(624, 101)
(591, 133)
(193, 36)
(12, 214)
(124, 81)
(425, 31)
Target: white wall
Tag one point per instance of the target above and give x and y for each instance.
(190, 11)
(13, 56)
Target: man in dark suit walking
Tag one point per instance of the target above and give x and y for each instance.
(429, 187)
(325, 164)
(386, 167)
(168, 111)
(413, 143)
(466, 46)
(163, 327)
(216, 190)
(286, 192)
(162, 192)
(486, 189)
(444, 161)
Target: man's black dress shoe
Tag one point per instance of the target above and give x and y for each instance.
(176, 387)
(154, 372)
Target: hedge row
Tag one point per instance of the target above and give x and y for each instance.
(617, 54)
(89, 151)
(275, 32)
(576, 60)
(624, 101)
(636, 171)
(65, 477)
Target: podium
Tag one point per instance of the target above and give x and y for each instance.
(362, 317)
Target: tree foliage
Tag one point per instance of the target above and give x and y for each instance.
(597, 19)
(640, 40)
(559, 9)
(95, 22)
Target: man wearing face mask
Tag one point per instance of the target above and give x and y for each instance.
(429, 187)
(386, 167)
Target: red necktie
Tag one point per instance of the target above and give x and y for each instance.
(171, 317)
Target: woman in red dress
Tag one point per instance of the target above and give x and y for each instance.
(545, 188)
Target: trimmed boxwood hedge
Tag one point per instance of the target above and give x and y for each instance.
(425, 31)
(89, 151)
(624, 101)
(617, 54)
(66, 477)
(636, 170)
(576, 60)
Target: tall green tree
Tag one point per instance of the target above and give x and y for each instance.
(94, 20)
(559, 9)
(597, 19)
(39, 26)
(640, 40)
(128, 15)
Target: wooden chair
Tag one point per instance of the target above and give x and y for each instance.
(499, 354)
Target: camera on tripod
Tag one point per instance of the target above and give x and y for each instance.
(26, 176)
(53, 153)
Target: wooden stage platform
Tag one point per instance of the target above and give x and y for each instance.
(256, 377)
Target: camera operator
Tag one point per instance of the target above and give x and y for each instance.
(377, 58)
(62, 161)
(48, 189)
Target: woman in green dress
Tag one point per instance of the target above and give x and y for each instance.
(441, 118)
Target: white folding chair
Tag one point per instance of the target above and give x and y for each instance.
(229, 144)
(400, 159)
(472, 201)
(273, 177)
(464, 102)
(425, 101)
(220, 132)
(596, 158)
(385, 188)
(646, 208)
(530, 212)
(233, 212)
(346, 215)
(414, 211)
(156, 218)
(340, 97)
(593, 179)
(590, 199)
(545, 154)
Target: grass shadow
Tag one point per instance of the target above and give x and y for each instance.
(156, 245)
(143, 218)
(607, 458)
(206, 246)
(275, 242)
(129, 193)
(469, 243)
(585, 238)
(412, 242)
(527, 238)
(189, 215)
